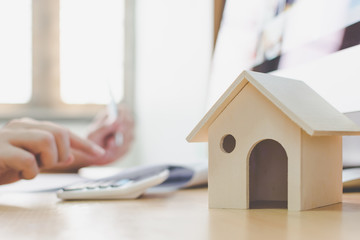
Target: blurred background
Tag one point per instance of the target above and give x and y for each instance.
(168, 60)
(58, 58)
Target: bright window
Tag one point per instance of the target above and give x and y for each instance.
(15, 51)
(91, 50)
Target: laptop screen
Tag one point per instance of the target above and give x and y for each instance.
(314, 41)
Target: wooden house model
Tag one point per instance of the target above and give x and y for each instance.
(273, 142)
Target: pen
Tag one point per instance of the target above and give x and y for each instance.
(113, 115)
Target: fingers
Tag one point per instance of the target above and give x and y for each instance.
(27, 145)
(82, 160)
(101, 128)
(123, 124)
(99, 120)
(86, 146)
(126, 128)
(113, 151)
(40, 143)
(60, 136)
(20, 163)
(9, 176)
(102, 132)
(63, 138)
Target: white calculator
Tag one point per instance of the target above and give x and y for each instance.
(125, 185)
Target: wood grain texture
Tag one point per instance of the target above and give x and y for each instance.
(303, 105)
(321, 170)
(229, 172)
(294, 98)
(180, 215)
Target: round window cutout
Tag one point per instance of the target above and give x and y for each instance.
(228, 143)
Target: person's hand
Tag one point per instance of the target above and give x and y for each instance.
(28, 146)
(103, 132)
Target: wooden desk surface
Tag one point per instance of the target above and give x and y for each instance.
(179, 215)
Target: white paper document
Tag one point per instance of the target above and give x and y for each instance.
(181, 176)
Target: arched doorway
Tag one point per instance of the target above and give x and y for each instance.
(268, 170)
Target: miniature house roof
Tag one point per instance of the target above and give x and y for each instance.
(294, 98)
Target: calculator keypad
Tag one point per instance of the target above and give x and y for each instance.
(98, 184)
